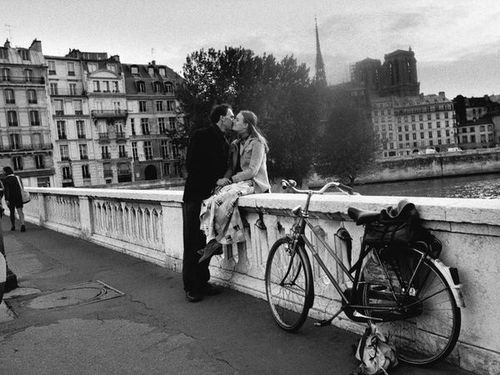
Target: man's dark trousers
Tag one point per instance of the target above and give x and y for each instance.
(195, 275)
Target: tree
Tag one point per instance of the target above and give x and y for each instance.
(347, 144)
(279, 92)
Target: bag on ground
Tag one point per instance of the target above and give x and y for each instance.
(376, 353)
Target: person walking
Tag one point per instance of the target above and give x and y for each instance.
(12, 186)
(206, 163)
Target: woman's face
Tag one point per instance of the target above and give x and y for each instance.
(239, 124)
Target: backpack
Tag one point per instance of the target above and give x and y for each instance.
(376, 353)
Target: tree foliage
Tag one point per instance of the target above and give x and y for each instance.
(279, 92)
(346, 145)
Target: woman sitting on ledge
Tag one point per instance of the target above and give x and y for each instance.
(219, 219)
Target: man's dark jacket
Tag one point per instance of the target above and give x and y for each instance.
(206, 162)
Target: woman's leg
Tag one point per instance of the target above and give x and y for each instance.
(21, 218)
(12, 210)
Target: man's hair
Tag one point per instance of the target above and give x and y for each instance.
(218, 111)
(8, 170)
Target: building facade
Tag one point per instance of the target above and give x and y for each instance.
(24, 114)
(411, 125)
(153, 120)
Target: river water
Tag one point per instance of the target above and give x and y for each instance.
(475, 186)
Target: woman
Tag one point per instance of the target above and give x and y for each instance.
(12, 189)
(219, 219)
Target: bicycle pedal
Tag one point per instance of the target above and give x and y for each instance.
(359, 315)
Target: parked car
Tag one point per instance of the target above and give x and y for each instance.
(430, 151)
(454, 149)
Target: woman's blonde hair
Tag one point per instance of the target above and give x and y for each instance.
(251, 119)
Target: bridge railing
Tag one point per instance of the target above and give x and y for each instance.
(148, 224)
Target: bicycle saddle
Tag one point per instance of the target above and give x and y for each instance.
(363, 216)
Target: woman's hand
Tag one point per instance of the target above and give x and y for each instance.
(223, 181)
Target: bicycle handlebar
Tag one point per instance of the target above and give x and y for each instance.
(291, 184)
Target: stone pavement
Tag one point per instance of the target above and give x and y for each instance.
(86, 327)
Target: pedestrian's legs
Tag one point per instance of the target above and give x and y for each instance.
(12, 210)
(21, 218)
(194, 274)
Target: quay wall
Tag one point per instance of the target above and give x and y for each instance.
(147, 224)
(437, 165)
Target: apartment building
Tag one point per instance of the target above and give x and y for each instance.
(153, 119)
(25, 142)
(409, 125)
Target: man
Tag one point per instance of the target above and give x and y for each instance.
(12, 189)
(206, 162)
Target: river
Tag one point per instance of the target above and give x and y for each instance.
(474, 186)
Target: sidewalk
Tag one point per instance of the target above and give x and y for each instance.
(150, 329)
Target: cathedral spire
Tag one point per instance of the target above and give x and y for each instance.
(320, 76)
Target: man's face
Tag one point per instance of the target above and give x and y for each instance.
(227, 120)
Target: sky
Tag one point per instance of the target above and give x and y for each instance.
(456, 42)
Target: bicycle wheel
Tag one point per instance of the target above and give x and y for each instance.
(289, 284)
(430, 323)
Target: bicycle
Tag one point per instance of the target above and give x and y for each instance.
(419, 300)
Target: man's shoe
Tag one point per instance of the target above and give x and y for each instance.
(212, 248)
(23, 228)
(193, 296)
(12, 228)
(211, 290)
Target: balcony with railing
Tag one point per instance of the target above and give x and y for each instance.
(26, 147)
(8, 79)
(106, 155)
(108, 173)
(109, 113)
(68, 92)
(121, 137)
(103, 137)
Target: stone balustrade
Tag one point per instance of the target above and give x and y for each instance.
(148, 224)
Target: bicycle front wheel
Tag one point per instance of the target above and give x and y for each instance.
(430, 323)
(289, 284)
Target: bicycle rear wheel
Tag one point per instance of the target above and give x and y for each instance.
(430, 323)
(289, 284)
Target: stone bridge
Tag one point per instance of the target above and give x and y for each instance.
(148, 225)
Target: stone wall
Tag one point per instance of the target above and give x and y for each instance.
(148, 224)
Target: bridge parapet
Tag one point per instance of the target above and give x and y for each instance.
(148, 224)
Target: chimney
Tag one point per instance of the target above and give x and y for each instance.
(6, 44)
(442, 94)
(36, 45)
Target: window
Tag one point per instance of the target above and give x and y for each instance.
(121, 151)
(164, 149)
(166, 169)
(64, 152)
(92, 67)
(148, 150)
(162, 126)
(5, 74)
(145, 126)
(162, 72)
(9, 96)
(422, 135)
(77, 105)
(134, 70)
(111, 67)
(428, 116)
(36, 140)
(28, 75)
(80, 129)
(85, 171)
(108, 172)
(105, 152)
(438, 133)
(34, 118)
(170, 105)
(438, 124)
(171, 123)
(97, 86)
(169, 88)
(483, 138)
(116, 88)
(447, 123)
(52, 67)
(134, 151)
(72, 89)
(4, 53)
(53, 88)
(17, 162)
(151, 71)
(132, 126)
(446, 115)
(12, 118)
(39, 162)
(106, 86)
(159, 105)
(32, 99)
(430, 134)
(58, 104)
(142, 106)
(482, 128)
(141, 86)
(71, 68)
(66, 172)
(61, 129)
(473, 138)
(14, 141)
(83, 152)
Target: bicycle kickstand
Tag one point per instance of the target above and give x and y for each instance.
(327, 322)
